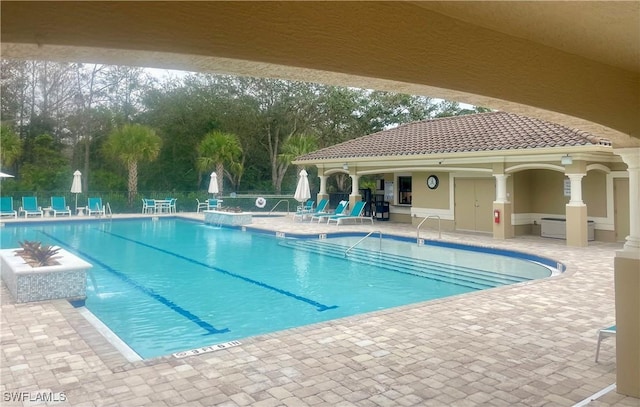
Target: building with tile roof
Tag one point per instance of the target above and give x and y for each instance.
(468, 171)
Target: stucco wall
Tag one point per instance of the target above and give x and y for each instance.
(424, 197)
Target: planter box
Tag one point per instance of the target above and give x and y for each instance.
(227, 218)
(66, 280)
(557, 228)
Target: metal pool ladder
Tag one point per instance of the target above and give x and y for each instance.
(282, 200)
(423, 221)
(359, 241)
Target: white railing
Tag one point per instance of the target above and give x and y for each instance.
(423, 221)
(276, 205)
(360, 241)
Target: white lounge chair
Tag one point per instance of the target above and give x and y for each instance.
(604, 333)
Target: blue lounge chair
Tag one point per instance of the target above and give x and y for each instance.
(30, 206)
(59, 206)
(6, 207)
(94, 206)
(340, 209)
(603, 333)
(322, 206)
(356, 213)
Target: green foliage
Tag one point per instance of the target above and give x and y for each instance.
(10, 145)
(47, 168)
(79, 105)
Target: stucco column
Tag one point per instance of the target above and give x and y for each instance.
(322, 194)
(504, 229)
(355, 191)
(627, 287)
(576, 214)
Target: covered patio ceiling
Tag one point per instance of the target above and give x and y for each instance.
(574, 63)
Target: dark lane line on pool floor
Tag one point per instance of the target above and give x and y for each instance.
(161, 299)
(320, 307)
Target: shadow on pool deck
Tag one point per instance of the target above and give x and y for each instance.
(531, 344)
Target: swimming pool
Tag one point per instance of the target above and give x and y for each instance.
(171, 285)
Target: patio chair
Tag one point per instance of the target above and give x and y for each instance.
(214, 204)
(342, 206)
(356, 213)
(306, 208)
(604, 333)
(6, 207)
(204, 205)
(172, 204)
(94, 206)
(59, 206)
(148, 205)
(30, 207)
(322, 206)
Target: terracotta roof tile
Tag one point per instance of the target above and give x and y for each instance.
(475, 132)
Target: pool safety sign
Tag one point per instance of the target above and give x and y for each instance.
(206, 349)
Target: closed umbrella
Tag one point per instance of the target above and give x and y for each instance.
(213, 184)
(303, 193)
(76, 185)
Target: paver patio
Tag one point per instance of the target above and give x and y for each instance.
(530, 344)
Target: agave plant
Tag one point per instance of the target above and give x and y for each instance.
(38, 254)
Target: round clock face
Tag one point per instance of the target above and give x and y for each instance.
(432, 182)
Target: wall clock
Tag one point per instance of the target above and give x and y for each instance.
(432, 182)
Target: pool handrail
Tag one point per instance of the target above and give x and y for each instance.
(282, 200)
(359, 241)
(423, 221)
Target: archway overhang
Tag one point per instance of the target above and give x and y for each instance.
(507, 49)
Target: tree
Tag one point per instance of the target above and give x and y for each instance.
(10, 146)
(219, 149)
(131, 144)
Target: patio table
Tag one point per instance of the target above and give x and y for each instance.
(162, 205)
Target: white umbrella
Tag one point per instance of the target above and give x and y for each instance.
(213, 184)
(4, 175)
(76, 185)
(303, 193)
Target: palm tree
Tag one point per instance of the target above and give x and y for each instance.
(296, 146)
(219, 149)
(10, 146)
(131, 144)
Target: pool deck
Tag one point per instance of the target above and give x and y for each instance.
(531, 344)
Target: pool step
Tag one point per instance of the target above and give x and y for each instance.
(459, 275)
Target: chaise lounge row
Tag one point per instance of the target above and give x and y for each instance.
(338, 216)
(58, 207)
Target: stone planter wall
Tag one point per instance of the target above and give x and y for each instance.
(26, 284)
(227, 218)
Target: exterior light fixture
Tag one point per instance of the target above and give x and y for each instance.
(345, 167)
(566, 160)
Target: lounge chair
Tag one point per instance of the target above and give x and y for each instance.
(603, 333)
(340, 209)
(59, 206)
(356, 213)
(6, 207)
(30, 207)
(322, 206)
(94, 206)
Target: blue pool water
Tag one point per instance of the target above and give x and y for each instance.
(171, 285)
